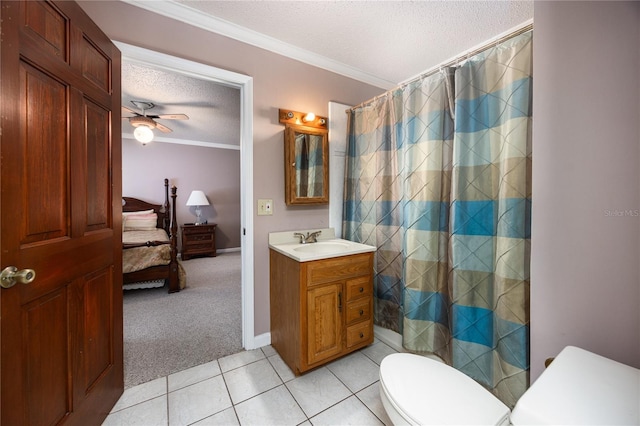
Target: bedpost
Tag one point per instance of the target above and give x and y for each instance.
(174, 280)
(166, 224)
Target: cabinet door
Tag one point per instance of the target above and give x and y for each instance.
(324, 322)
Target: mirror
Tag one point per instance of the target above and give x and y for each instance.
(306, 165)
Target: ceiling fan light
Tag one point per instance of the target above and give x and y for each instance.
(143, 134)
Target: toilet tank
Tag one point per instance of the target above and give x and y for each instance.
(581, 388)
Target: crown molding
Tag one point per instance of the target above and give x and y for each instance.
(185, 142)
(190, 16)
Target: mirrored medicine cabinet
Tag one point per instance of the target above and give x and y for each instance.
(306, 158)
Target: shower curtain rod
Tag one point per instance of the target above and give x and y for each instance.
(514, 32)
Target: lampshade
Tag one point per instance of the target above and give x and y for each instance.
(143, 134)
(197, 198)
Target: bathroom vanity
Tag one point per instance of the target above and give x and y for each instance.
(321, 298)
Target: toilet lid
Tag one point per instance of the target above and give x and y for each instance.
(581, 388)
(429, 392)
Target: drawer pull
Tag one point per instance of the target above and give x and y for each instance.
(361, 289)
(361, 312)
(361, 335)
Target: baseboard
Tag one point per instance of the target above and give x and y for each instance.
(228, 250)
(224, 250)
(259, 341)
(389, 337)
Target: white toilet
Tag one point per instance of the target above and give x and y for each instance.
(578, 388)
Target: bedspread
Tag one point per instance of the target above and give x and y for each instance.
(132, 237)
(139, 258)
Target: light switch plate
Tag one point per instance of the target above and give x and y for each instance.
(265, 207)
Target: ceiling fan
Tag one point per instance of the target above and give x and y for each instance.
(144, 123)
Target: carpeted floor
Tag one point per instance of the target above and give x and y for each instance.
(165, 333)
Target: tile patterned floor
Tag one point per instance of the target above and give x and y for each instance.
(257, 388)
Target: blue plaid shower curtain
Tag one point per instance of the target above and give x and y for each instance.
(447, 203)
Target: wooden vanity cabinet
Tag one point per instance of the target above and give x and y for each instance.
(320, 310)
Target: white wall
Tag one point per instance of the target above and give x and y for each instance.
(585, 280)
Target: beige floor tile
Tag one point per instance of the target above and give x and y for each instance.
(230, 362)
(193, 375)
(378, 351)
(356, 371)
(250, 380)
(275, 407)
(317, 390)
(195, 402)
(281, 368)
(351, 411)
(247, 389)
(224, 418)
(152, 412)
(141, 393)
(370, 396)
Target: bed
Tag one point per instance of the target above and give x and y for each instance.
(149, 243)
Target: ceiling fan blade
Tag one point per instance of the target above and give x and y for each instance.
(163, 128)
(172, 116)
(126, 110)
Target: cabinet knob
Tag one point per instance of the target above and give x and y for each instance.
(361, 312)
(361, 289)
(361, 335)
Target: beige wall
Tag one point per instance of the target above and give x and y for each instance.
(212, 170)
(585, 280)
(585, 269)
(278, 82)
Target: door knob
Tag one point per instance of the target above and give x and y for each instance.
(10, 275)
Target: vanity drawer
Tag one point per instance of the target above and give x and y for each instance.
(358, 311)
(327, 270)
(361, 333)
(358, 287)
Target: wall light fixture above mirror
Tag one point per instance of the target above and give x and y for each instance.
(306, 158)
(308, 119)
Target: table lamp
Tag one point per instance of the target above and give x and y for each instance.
(197, 198)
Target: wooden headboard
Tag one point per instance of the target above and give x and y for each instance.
(130, 204)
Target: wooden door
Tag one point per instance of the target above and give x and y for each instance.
(324, 322)
(61, 335)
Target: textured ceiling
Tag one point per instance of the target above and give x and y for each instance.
(213, 109)
(391, 40)
(379, 42)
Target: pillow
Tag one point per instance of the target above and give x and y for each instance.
(140, 222)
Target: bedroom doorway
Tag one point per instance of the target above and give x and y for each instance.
(243, 85)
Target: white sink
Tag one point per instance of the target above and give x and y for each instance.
(327, 246)
(323, 247)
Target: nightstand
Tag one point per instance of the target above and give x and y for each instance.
(198, 240)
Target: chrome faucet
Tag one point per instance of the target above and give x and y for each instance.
(311, 237)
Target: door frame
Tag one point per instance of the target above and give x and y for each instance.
(245, 84)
